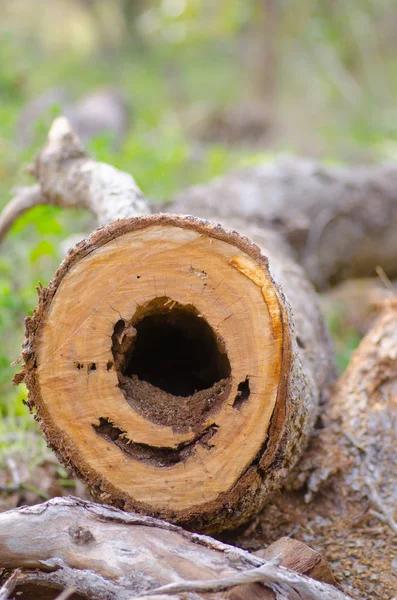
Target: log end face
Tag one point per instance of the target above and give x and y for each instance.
(161, 370)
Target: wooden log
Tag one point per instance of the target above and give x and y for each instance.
(104, 553)
(166, 367)
(164, 362)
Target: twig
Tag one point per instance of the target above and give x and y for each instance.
(382, 513)
(66, 593)
(216, 585)
(269, 572)
(25, 198)
(385, 280)
(9, 586)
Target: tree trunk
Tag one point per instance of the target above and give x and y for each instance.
(166, 367)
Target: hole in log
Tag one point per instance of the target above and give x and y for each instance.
(109, 365)
(177, 351)
(91, 367)
(171, 365)
(79, 365)
(243, 392)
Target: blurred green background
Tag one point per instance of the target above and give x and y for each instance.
(209, 86)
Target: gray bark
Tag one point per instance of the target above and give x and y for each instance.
(339, 222)
(105, 553)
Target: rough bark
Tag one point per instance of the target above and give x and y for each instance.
(208, 458)
(105, 553)
(339, 222)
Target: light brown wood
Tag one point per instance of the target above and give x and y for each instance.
(79, 386)
(165, 367)
(299, 557)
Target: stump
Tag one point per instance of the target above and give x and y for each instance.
(167, 370)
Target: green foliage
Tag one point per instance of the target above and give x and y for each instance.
(346, 339)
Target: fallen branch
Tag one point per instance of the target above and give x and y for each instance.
(69, 178)
(339, 222)
(104, 552)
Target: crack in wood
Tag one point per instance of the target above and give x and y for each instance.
(158, 456)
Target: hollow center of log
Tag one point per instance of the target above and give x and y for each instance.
(172, 366)
(178, 352)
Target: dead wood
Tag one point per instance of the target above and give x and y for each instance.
(197, 379)
(68, 177)
(339, 222)
(342, 496)
(245, 362)
(105, 553)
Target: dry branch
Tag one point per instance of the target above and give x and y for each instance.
(338, 222)
(68, 177)
(25, 198)
(103, 552)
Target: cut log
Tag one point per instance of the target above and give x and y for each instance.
(166, 368)
(104, 553)
(164, 363)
